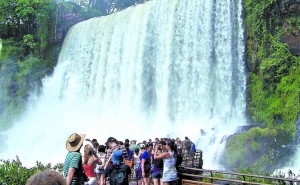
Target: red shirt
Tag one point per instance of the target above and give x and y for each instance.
(89, 170)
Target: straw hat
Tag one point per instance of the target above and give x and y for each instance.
(74, 142)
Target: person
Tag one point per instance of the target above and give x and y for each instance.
(94, 143)
(118, 173)
(73, 169)
(187, 144)
(179, 144)
(129, 160)
(158, 164)
(136, 162)
(123, 149)
(48, 177)
(89, 160)
(100, 168)
(145, 167)
(169, 157)
(133, 145)
(112, 145)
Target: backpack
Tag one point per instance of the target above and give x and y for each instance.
(178, 161)
(193, 147)
(118, 175)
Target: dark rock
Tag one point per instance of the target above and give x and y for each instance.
(289, 6)
(292, 39)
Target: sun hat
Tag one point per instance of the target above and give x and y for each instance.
(117, 157)
(133, 142)
(74, 142)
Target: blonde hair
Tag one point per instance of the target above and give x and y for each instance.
(48, 177)
(88, 152)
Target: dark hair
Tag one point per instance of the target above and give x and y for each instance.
(126, 145)
(126, 140)
(148, 145)
(172, 146)
(112, 139)
(120, 142)
(101, 148)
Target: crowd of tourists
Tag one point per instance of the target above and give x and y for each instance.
(117, 162)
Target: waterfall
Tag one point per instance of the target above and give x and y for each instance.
(166, 68)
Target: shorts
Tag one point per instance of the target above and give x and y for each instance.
(99, 171)
(157, 175)
(147, 173)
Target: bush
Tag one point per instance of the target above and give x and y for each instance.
(13, 173)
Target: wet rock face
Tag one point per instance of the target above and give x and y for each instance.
(292, 39)
(289, 6)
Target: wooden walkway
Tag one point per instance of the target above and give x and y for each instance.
(191, 173)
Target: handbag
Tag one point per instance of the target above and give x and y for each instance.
(129, 163)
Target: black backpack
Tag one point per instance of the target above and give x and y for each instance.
(179, 160)
(118, 175)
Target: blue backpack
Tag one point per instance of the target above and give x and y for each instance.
(193, 147)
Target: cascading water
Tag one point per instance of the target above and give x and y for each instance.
(166, 68)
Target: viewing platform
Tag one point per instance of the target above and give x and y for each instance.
(191, 173)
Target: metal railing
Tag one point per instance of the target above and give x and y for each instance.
(213, 176)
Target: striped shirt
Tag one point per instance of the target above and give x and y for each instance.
(113, 149)
(74, 160)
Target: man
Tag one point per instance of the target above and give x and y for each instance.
(118, 173)
(112, 144)
(73, 170)
(133, 145)
(129, 160)
(187, 144)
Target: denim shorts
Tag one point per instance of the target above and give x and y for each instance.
(99, 171)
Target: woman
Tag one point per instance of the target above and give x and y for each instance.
(169, 167)
(157, 171)
(100, 168)
(136, 162)
(90, 160)
(145, 167)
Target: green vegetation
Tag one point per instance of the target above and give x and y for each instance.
(27, 33)
(13, 173)
(273, 89)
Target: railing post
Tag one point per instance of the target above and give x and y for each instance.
(211, 174)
